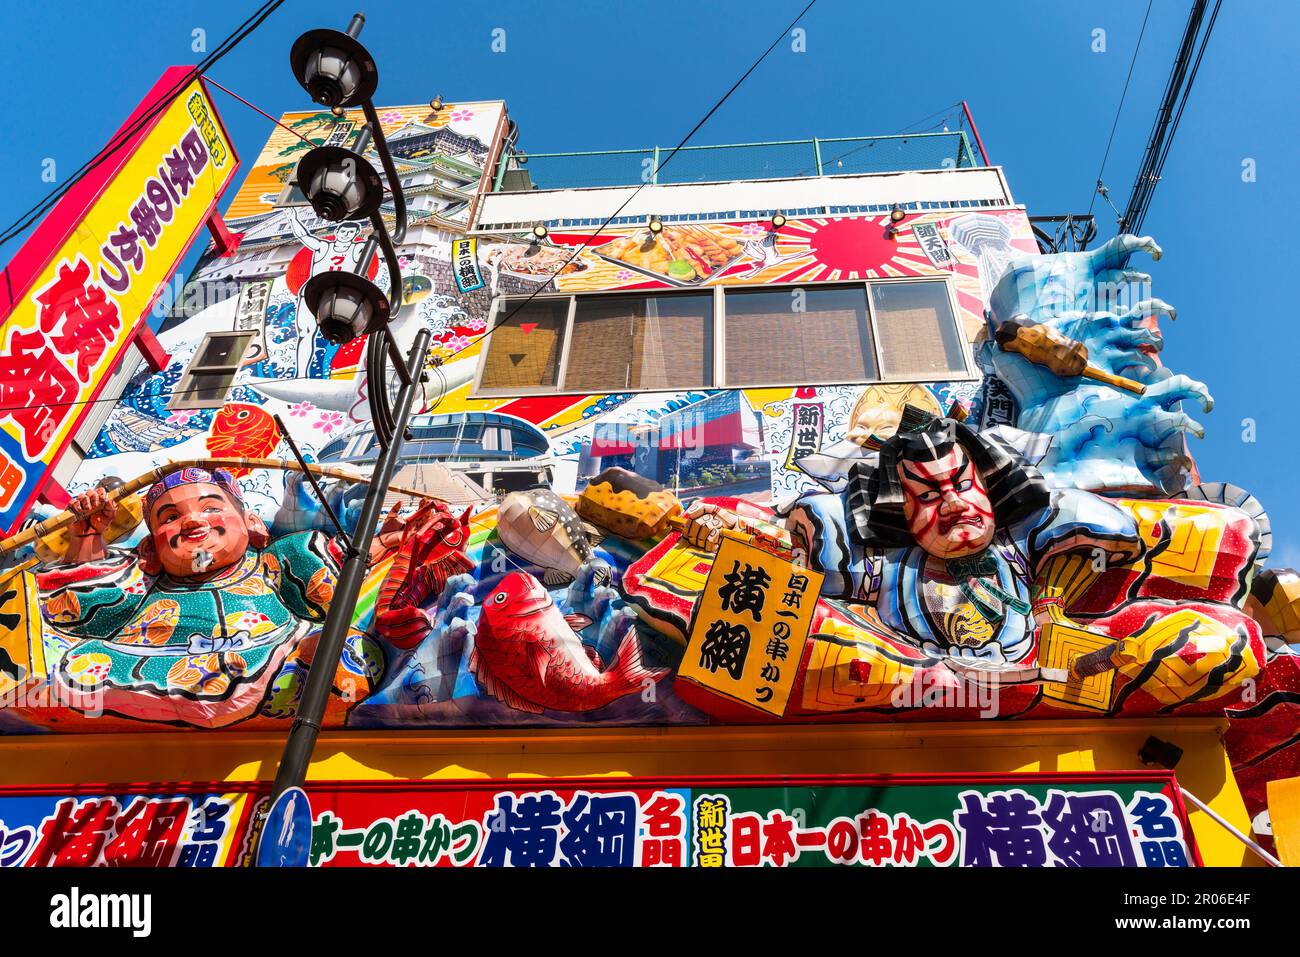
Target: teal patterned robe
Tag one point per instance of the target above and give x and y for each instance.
(194, 653)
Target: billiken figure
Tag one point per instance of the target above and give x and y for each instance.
(964, 551)
(213, 624)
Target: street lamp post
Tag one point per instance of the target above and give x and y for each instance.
(306, 723)
(338, 72)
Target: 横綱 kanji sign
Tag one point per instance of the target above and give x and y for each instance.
(751, 626)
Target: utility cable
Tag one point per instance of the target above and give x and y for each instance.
(686, 139)
(125, 135)
(1119, 109)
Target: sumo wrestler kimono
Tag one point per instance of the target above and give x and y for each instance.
(207, 653)
(924, 600)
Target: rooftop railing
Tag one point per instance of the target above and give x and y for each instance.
(787, 159)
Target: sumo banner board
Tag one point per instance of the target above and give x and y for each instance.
(76, 292)
(1099, 819)
(136, 827)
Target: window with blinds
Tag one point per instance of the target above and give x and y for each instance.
(790, 336)
(523, 351)
(805, 336)
(642, 343)
(916, 330)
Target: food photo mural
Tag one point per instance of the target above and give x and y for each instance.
(1020, 535)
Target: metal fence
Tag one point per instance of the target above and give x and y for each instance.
(739, 161)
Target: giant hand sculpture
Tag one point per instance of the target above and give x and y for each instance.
(1104, 438)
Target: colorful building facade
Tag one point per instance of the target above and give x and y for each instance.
(670, 582)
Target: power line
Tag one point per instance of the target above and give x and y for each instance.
(1167, 116)
(257, 109)
(122, 136)
(599, 229)
(120, 139)
(1119, 109)
(1162, 134)
(276, 3)
(944, 113)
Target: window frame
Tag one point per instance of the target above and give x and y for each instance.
(499, 303)
(185, 396)
(718, 329)
(954, 311)
(713, 326)
(871, 327)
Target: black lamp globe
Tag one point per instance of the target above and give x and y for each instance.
(339, 183)
(334, 68)
(345, 305)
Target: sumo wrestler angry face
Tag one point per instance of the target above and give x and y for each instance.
(946, 505)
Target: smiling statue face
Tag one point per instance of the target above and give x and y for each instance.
(197, 530)
(946, 506)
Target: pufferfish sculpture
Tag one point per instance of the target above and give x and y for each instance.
(540, 527)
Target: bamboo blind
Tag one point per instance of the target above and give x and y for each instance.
(635, 342)
(770, 341)
(918, 337)
(520, 358)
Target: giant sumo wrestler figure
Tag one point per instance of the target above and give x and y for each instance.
(964, 550)
(210, 623)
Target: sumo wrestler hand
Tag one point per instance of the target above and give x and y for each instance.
(95, 511)
(704, 524)
(1187, 655)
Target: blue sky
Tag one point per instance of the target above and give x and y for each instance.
(595, 75)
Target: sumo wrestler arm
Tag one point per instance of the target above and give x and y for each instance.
(1177, 654)
(95, 511)
(96, 592)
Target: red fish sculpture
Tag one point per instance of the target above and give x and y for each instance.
(242, 430)
(529, 656)
(431, 549)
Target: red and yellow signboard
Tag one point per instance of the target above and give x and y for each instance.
(1117, 819)
(88, 276)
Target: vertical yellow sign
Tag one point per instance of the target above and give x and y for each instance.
(751, 626)
(20, 630)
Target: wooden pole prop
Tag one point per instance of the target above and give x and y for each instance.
(66, 518)
(679, 523)
(1065, 357)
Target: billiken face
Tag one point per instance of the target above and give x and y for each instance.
(946, 506)
(197, 531)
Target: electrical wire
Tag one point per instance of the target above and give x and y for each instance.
(676, 149)
(257, 109)
(123, 136)
(261, 16)
(1119, 109)
(1143, 200)
(944, 113)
